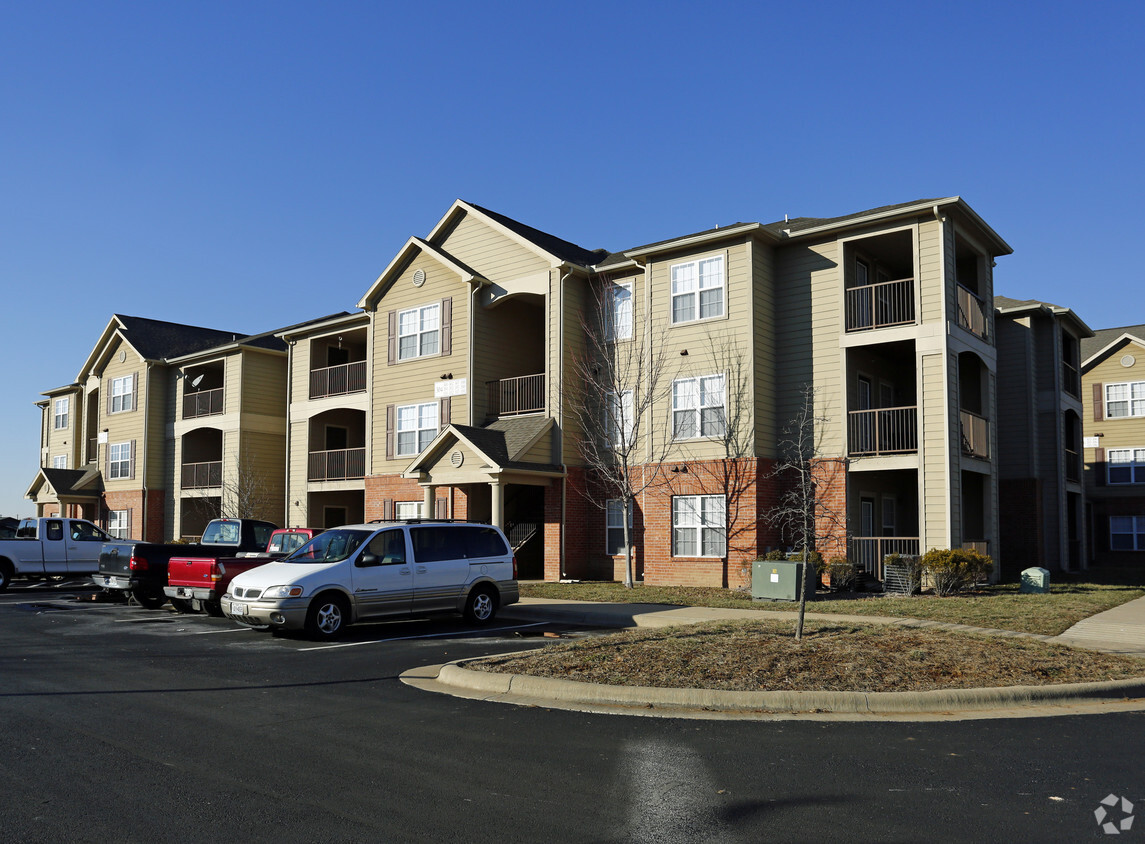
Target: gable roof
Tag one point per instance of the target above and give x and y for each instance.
(563, 249)
(1105, 340)
(501, 443)
(401, 261)
(67, 483)
(1008, 307)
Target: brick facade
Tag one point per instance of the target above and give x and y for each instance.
(147, 529)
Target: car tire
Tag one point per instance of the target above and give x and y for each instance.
(5, 574)
(214, 609)
(481, 605)
(148, 599)
(328, 616)
(182, 605)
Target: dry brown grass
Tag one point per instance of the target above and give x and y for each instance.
(764, 656)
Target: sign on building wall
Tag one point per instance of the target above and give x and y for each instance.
(445, 389)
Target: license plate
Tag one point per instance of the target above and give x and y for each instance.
(238, 609)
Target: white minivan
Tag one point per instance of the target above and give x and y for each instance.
(379, 570)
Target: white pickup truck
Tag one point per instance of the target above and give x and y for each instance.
(50, 547)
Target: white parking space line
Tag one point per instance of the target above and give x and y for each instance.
(228, 630)
(424, 636)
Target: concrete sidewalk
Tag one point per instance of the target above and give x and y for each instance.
(1120, 630)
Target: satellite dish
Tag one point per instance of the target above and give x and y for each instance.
(196, 381)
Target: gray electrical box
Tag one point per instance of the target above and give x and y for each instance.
(773, 580)
(1035, 579)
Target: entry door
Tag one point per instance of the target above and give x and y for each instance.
(889, 517)
(384, 587)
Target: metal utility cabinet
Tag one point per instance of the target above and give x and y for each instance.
(773, 580)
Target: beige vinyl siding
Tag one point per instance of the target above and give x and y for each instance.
(126, 425)
(297, 466)
(411, 381)
(508, 341)
(262, 455)
(540, 452)
(263, 382)
(1121, 432)
(300, 366)
(443, 473)
(155, 439)
(496, 256)
(935, 436)
(567, 324)
(936, 298)
(764, 368)
(64, 442)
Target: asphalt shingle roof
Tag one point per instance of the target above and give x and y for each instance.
(1102, 337)
(550, 243)
(156, 339)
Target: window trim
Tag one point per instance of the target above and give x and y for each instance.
(60, 418)
(398, 430)
(124, 471)
(698, 288)
(614, 507)
(1136, 533)
(1129, 400)
(699, 527)
(698, 409)
(622, 431)
(1135, 466)
(420, 332)
(126, 396)
(416, 510)
(611, 317)
(58, 459)
(119, 515)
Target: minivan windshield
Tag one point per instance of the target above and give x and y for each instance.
(330, 547)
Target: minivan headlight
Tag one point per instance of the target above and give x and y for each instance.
(283, 592)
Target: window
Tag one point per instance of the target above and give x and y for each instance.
(614, 526)
(419, 332)
(60, 462)
(1126, 399)
(417, 426)
(84, 532)
(1126, 465)
(122, 394)
(698, 526)
(60, 414)
(119, 460)
(621, 421)
(698, 407)
(407, 510)
(1127, 533)
(618, 319)
(698, 290)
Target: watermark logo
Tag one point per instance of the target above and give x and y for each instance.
(1113, 818)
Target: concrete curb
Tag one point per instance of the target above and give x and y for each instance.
(455, 675)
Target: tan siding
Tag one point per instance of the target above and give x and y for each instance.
(935, 445)
(263, 383)
(64, 442)
(541, 452)
(263, 456)
(936, 298)
(297, 466)
(1128, 432)
(508, 341)
(764, 366)
(567, 317)
(158, 417)
(123, 426)
(492, 254)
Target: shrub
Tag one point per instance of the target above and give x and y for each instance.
(842, 572)
(775, 555)
(952, 570)
(813, 557)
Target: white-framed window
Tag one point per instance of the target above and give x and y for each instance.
(1127, 533)
(618, 318)
(407, 509)
(60, 408)
(621, 421)
(60, 462)
(1126, 399)
(417, 426)
(119, 523)
(419, 332)
(698, 289)
(698, 407)
(119, 460)
(698, 525)
(614, 526)
(122, 393)
(1125, 465)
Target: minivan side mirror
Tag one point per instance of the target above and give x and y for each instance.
(367, 559)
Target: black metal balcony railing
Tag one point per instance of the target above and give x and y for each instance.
(869, 551)
(343, 464)
(338, 380)
(1072, 466)
(975, 431)
(203, 475)
(203, 403)
(885, 430)
(93, 450)
(880, 305)
(1071, 380)
(516, 396)
(972, 312)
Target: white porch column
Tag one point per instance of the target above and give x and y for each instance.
(498, 496)
(427, 502)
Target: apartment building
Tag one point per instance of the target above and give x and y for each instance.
(453, 388)
(1040, 435)
(1113, 394)
(163, 423)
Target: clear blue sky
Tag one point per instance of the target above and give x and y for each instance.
(244, 166)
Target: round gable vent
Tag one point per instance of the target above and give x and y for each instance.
(418, 278)
(457, 458)
(1128, 361)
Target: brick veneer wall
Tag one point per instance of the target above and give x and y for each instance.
(154, 529)
(379, 488)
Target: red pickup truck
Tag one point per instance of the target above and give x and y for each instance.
(195, 584)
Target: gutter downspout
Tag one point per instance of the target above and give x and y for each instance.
(561, 419)
(289, 401)
(146, 431)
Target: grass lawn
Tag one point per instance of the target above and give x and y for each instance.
(1002, 606)
(764, 656)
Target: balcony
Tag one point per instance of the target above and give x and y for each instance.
(886, 430)
(93, 449)
(982, 546)
(1071, 379)
(516, 396)
(343, 464)
(972, 312)
(975, 435)
(203, 403)
(203, 475)
(880, 305)
(1072, 466)
(338, 380)
(870, 551)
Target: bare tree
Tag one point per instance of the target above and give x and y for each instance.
(805, 513)
(247, 492)
(618, 385)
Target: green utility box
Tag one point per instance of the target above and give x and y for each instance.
(1035, 579)
(779, 581)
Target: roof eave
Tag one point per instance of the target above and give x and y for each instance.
(695, 240)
